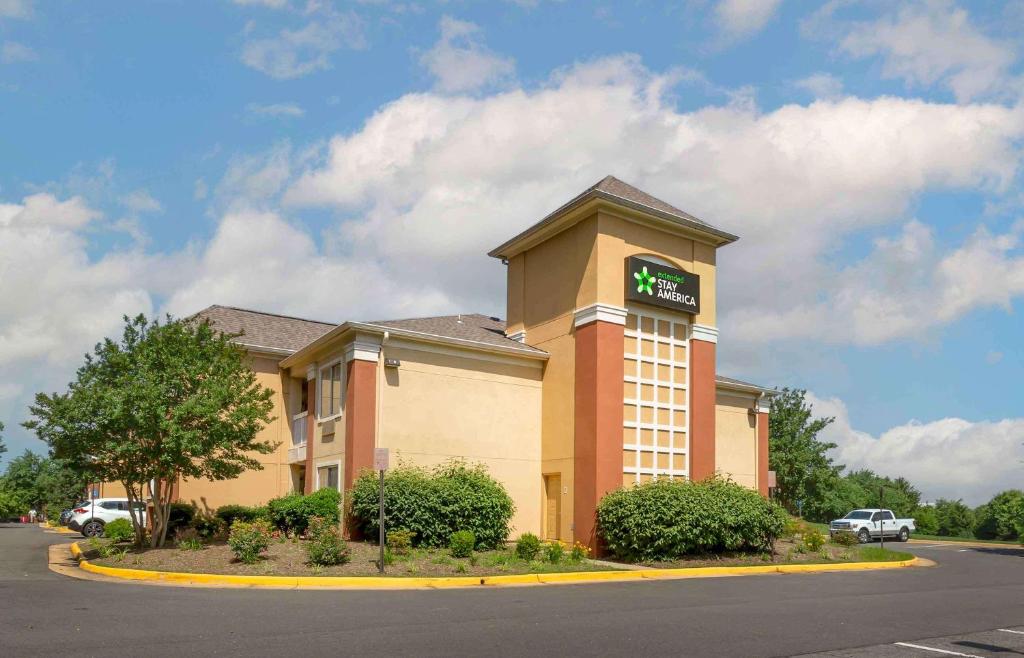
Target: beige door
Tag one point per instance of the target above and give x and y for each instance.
(552, 506)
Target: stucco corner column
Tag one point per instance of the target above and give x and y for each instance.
(311, 401)
(762, 446)
(703, 341)
(597, 438)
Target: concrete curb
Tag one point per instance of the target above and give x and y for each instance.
(968, 544)
(372, 582)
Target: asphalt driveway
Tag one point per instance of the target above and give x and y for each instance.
(971, 591)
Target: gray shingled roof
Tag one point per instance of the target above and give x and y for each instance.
(722, 379)
(472, 326)
(277, 332)
(612, 188)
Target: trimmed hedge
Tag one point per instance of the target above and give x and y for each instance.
(667, 519)
(434, 504)
(292, 513)
(228, 514)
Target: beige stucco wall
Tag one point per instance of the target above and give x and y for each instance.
(253, 487)
(439, 404)
(736, 437)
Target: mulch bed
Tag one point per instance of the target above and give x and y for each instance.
(290, 559)
(787, 551)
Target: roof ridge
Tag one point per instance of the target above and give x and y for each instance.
(275, 315)
(435, 317)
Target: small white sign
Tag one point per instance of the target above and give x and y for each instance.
(380, 459)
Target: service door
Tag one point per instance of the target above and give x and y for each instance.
(552, 506)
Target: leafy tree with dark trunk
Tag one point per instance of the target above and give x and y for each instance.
(803, 469)
(21, 480)
(999, 517)
(165, 402)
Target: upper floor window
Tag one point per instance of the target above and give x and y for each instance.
(331, 390)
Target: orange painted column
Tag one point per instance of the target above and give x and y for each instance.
(360, 418)
(762, 453)
(597, 440)
(311, 407)
(702, 409)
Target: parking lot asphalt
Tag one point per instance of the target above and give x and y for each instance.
(966, 598)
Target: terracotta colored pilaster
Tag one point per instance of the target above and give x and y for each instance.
(307, 485)
(360, 418)
(597, 460)
(702, 409)
(762, 453)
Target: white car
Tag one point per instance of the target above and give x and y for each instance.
(873, 523)
(91, 517)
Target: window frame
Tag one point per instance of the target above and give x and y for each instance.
(336, 463)
(340, 362)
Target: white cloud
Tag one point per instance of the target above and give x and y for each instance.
(43, 210)
(742, 18)
(12, 51)
(822, 85)
(293, 53)
(15, 8)
(946, 458)
(460, 62)
(430, 180)
(275, 109)
(140, 201)
(929, 42)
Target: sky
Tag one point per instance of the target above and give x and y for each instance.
(292, 155)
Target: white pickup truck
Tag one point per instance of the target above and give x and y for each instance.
(870, 524)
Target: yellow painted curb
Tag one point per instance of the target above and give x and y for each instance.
(374, 582)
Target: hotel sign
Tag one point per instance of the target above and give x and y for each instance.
(660, 285)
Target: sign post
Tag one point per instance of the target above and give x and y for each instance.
(380, 463)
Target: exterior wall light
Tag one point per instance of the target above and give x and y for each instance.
(392, 363)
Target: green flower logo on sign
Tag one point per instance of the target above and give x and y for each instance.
(645, 281)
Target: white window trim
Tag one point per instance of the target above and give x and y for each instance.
(316, 473)
(319, 392)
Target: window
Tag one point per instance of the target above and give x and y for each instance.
(327, 477)
(887, 516)
(330, 390)
(877, 516)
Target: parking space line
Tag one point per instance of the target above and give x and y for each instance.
(1007, 630)
(943, 651)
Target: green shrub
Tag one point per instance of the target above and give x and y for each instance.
(119, 530)
(187, 539)
(528, 546)
(292, 513)
(325, 547)
(462, 543)
(248, 541)
(579, 552)
(554, 552)
(228, 514)
(813, 540)
(844, 539)
(667, 519)
(207, 526)
(435, 503)
(400, 541)
(180, 515)
(794, 526)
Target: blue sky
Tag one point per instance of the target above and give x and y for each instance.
(867, 153)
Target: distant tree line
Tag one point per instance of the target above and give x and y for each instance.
(810, 482)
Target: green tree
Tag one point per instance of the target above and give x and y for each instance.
(165, 402)
(803, 469)
(926, 520)
(998, 518)
(21, 480)
(60, 485)
(3, 446)
(954, 518)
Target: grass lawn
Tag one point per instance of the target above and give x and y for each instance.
(289, 558)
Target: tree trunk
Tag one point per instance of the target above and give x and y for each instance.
(161, 509)
(134, 497)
